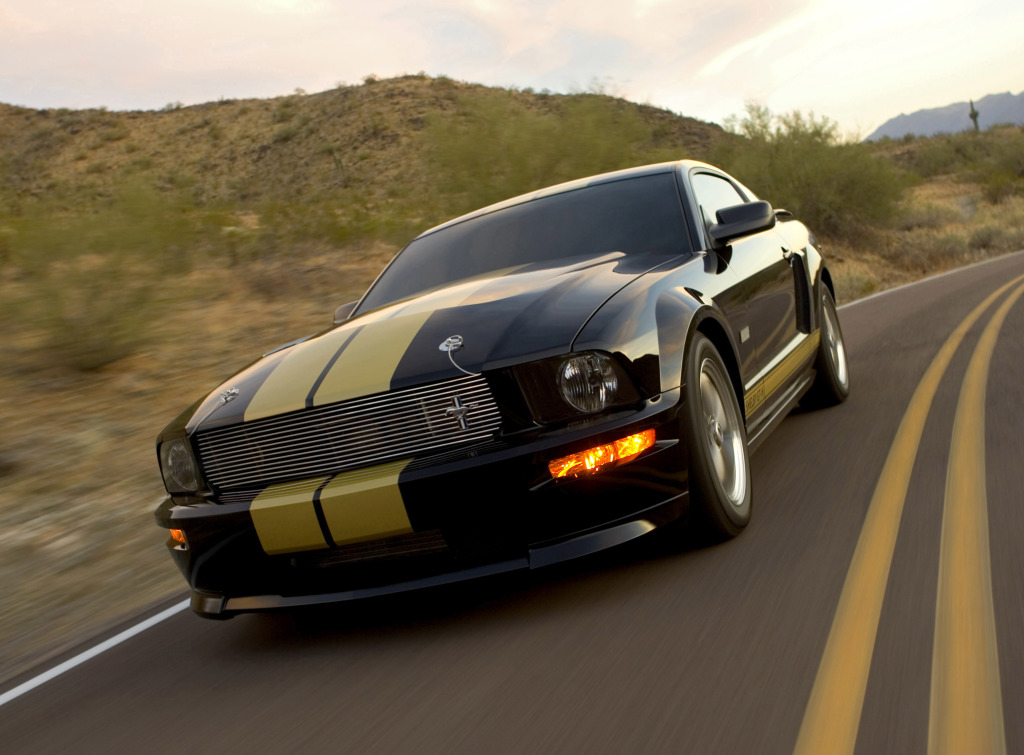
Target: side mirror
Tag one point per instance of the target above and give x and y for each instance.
(341, 313)
(741, 220)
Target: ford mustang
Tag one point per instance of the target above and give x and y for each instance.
(534, 381)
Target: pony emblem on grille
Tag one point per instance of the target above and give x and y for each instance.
(459, 411)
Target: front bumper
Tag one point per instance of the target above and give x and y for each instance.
(471, 516)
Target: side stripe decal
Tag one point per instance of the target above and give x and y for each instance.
(774, 380)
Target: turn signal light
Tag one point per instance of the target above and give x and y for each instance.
(590, 461)
(178, 536)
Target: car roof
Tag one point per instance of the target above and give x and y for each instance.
(579, 183)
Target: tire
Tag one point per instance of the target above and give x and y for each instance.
(832, 384)
(720, 484)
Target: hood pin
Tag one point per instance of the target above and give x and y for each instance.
(450, 345)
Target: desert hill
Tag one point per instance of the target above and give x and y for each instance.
(355, 144)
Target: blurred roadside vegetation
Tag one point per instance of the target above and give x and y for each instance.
(144, 256)
(100, 211)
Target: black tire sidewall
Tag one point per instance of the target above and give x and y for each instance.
(828, 389)
(707, 499)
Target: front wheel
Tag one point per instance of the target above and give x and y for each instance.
(720, 486)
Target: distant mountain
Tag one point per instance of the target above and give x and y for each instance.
(992, 109)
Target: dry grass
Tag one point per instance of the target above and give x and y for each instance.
(78, 473)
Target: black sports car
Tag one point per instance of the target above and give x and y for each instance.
(540, 379)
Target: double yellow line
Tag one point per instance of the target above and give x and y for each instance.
(966, 706)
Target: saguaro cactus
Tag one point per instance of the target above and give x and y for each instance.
(974, 116)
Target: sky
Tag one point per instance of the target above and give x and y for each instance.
(858, 63)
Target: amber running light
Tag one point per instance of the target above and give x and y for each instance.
(590, 461)
(178, 536)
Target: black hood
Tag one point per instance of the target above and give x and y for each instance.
(505, 318)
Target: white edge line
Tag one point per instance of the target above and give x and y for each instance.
(81, 658)
(927, 278)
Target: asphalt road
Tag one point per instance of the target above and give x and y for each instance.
(661, 645)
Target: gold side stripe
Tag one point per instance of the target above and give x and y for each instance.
(766, 386)
(285, 519)
(365, 504)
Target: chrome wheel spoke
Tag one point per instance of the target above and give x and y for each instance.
(836, 348)
(723, 440)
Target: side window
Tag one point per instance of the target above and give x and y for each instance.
(713, 193)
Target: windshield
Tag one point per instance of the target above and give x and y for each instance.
(634, 216)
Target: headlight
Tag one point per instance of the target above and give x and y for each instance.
(562, 388)
(178, 466)
(588, 382)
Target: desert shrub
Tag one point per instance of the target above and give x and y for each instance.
(1008, 151)
(284, 134)
(926, 215)
(997, 187)
(993, 158)
(113, 133)
(285, 111)
(949, 245)
(1009, 214)
(1015, 239)
(949, 154)
(801, 163)
(851, 286)
(498, 147)
(989, 237)
(90, 283)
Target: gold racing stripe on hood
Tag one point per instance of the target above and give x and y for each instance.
(371, 348)
(365, 504)
(285, 518)
(368, 362)
(286, 387)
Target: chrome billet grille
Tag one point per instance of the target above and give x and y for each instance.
(347, 435)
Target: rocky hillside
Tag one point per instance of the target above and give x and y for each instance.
(371, 139)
